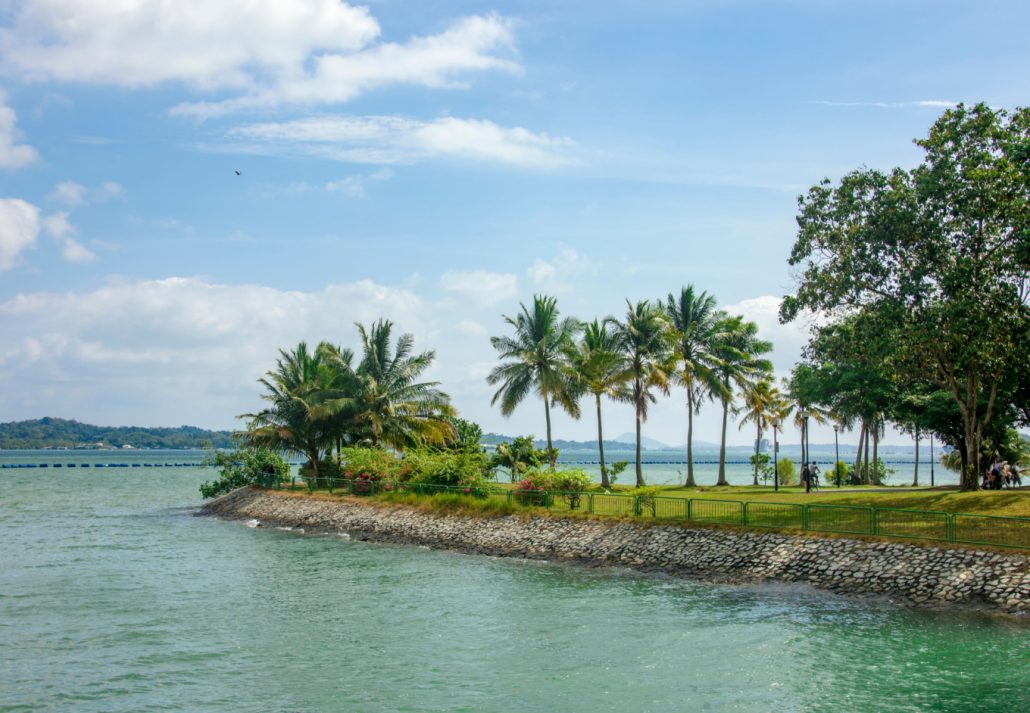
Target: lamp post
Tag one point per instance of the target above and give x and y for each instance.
(836, 453)
(776, 448)
(931, 459)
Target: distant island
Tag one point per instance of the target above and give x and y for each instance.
(64, 433)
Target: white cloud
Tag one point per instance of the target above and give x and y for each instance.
(922, 103)
(178, 349)
(19, 228)
(74, 194)
(12, 154)
(354, 186)
(470, 44)
(788, 339)
(69, 193)
(266, 53)
(540, 271)
(207, 43)
(108, 190)
(60, 228)
(74, 251)
(556, 274)
(395, 139)
(481, 286)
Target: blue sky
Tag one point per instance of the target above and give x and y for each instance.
(432, 163)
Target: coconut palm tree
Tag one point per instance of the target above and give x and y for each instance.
(391, 407)
(739, 353)
(296, 391)
(537, 357)
(647, 353)
(600, 370)
(759, 399)
(692, 319)
(801, 391)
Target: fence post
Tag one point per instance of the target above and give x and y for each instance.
(690, 508)
(331, 485)
(805, 521)
(590, 503)
(743, 514)
(876, 518)
(951, 527)
(636, 505)
(510, 494)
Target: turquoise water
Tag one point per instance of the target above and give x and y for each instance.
(114, 597)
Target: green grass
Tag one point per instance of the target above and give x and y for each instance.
(918, 514)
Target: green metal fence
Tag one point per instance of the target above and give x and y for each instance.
(961, 528)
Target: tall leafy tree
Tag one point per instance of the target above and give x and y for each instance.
(803, 390)
(295, 391)
(536, 358)
(647, 352)
(692, 320)
(942, 250)
(760, 401)
(601, 371)
(739, 352)
(391, 406)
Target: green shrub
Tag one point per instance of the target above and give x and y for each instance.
(370, 464)
(458, 468)
(572, 483)
(647, 500)
(786, 471)
(247, 466)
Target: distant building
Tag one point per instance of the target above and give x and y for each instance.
(763, 445)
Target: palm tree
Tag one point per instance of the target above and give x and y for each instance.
(739, 351)
(800, 389)
(643, 341)
(600, 371)
(692, 318)
(391, 407)
(759, 399)
(295, 390)
(537, 357)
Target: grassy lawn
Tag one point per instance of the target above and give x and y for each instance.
(844, 511)
(1010, 503)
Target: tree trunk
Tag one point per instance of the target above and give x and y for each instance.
(690, 438)
(865, 457)
(858, 454)
(722, 444)
(600, 443)
(915, 476)
(804, 453)
(547, 415)
(758, 439)
(640, 470)
(876, 448)
(971, 469)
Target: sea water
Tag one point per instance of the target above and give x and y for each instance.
(114, 596)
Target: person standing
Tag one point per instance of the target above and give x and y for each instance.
(805, 475)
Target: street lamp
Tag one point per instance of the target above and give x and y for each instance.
(836, 453)
(776, 448)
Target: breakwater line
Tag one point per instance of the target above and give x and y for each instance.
(919, 576)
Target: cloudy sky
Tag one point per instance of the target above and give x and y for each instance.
(431, 163)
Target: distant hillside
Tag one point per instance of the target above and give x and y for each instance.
(62, 433)
(492, 439)
(646, 443)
